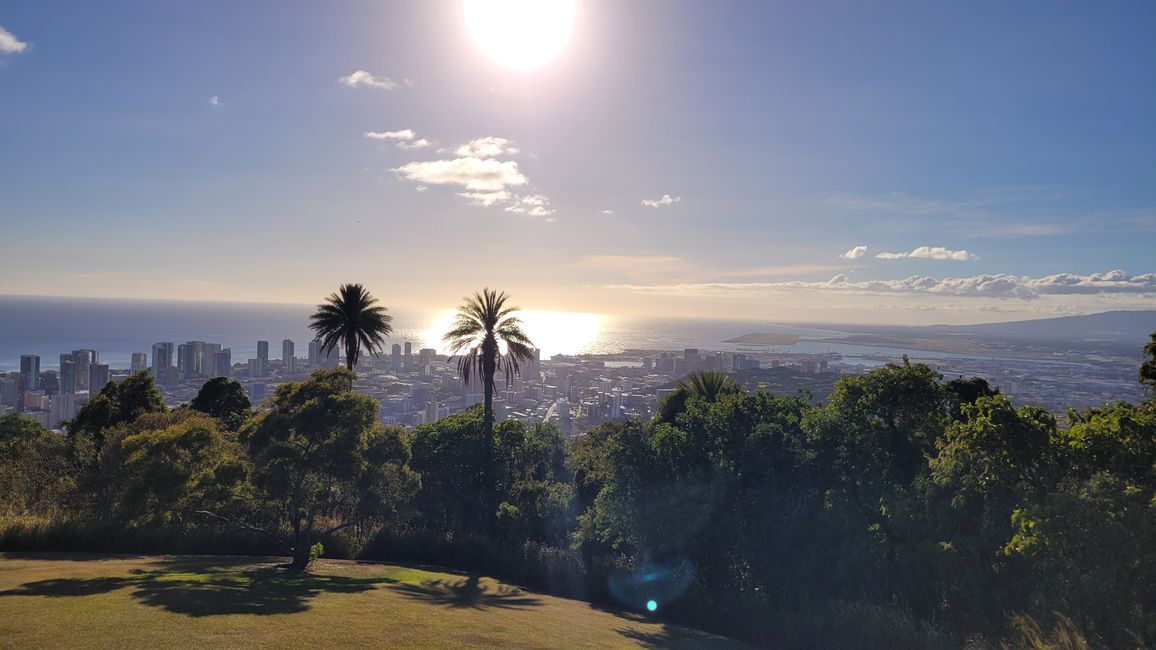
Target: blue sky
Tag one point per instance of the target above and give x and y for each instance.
(1001, 156)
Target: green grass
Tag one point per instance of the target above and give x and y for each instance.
(100, 601)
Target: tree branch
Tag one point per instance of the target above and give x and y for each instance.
(245, 526)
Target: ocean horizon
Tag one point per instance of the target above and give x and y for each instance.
(116, 328)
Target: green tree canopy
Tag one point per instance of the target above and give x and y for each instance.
(224, 399)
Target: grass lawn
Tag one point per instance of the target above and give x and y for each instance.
(74, 600)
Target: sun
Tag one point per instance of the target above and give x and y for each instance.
(520, 34)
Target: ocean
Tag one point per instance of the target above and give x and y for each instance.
(117, 328)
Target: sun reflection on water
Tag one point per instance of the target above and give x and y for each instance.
(553, 332)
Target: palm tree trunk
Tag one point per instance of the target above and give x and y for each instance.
(350, 351)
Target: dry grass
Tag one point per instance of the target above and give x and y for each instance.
(100, 601)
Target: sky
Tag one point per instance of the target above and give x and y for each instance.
(887, 162)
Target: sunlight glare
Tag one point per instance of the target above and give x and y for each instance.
(520, 34)
(553, 332)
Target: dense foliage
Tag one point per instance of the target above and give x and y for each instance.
(905, 511)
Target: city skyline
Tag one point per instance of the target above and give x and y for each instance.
(895, 164)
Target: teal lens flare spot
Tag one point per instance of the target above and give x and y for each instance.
(651, 605)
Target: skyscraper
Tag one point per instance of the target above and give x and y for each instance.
(140, 361)
(97, 377)
(263, 352)
(287, 358)
(396, 358)
(162, 360)
(222, 362)
(83, 359)
(67, 376)
(30, 369)
(191, 359)
(407, 360)
(315, 353)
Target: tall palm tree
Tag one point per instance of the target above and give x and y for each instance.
(483, 326)
(351, 317)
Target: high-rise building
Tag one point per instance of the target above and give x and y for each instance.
(425, 357)
(431, 411)
(315, 354)
(140, 361)
(395, 358)
(222, 362)
(256, 368)
(263, 352)
(97, 377)
(407, 360)
(331, 358)
(83, 359)
(192, 359)
(288, 360)
(162, 361)
(67, 376)
(30, 369)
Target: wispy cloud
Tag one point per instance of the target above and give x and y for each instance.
(9, 44)
(855, 252)
(402, 134)
(661, 201)
(214, 101)
(365, 79)
(608, 212)
(405, 138)
(487, 147)
(929, 253)
(999, 286)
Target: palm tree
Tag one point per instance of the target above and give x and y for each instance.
(707, 385)
(350, 317)
(484, 325)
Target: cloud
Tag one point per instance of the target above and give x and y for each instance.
(1000, 286)
(363, 78)
(661, 201)
(420, 188)
(487, 181)
(608, 212)
(403, 134)
(9, 44)
(215, 101)
(929, 253)
(487, 147)
(534, 205)
(474, 174)
(855, 252)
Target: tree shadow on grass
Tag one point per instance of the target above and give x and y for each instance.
(467, 594)
(260, 591)
(675, 637)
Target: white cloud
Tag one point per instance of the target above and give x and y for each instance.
(534, 205)
(420, 188)
(9, 44)
(608, 212)
(215, 101)
(855, 252)
(486, 199)
(487, 147)
(420, 143)
(474, 174)
(403, 134)
(978, 286)
(661, 201)
(363, 78)
(930, 253)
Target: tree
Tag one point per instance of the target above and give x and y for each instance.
(352, 318)
(707, 385)
(1148, 368)
(174, 463)
(117, 403)
(484, 325)
(224, 399)
(322, 463)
